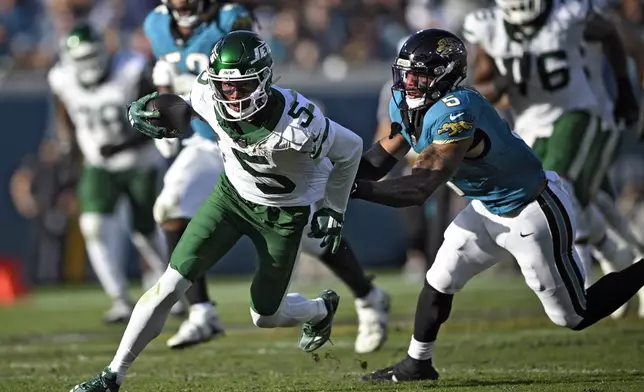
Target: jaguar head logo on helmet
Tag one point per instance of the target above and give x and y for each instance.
(240, 75)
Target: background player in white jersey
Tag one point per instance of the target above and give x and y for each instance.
(196, 169)
(281, 155)
(531, 52)
(91, 88)
(628, 247)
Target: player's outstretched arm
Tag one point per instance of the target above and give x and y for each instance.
(435, 165)
(598, 28)
(382, 157)
(488, 80)
(343, 148)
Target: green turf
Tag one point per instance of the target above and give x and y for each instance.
(498, 339)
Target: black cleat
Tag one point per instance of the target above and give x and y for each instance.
(408, 369)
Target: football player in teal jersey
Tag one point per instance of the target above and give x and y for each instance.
(516, 207)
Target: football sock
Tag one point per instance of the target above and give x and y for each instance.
(610, 292)
(198, 292)
(432, 310)
(345, 266)
(294, 310)
(421, 351)
(103, 236)
(147, 319)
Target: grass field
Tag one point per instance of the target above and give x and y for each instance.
(498, 339)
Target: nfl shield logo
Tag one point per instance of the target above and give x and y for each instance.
(241, 143)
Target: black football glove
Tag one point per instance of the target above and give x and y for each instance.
(109, 150)
(626, 105)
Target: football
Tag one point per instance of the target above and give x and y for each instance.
(176, 114)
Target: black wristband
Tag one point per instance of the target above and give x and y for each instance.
(375, 163)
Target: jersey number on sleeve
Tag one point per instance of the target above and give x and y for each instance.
(287, 186)
(552, 70)
(308, 111)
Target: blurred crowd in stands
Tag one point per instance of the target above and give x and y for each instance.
(301, 32)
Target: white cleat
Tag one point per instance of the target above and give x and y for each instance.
(201, 326)
(120, 312)
(373, 316)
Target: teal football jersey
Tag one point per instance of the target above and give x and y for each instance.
(191, 55)
(506, 176)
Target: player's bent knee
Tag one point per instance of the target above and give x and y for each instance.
(442, 280)
(169, 288)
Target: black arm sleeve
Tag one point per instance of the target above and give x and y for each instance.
(405, 191)
(375, 163)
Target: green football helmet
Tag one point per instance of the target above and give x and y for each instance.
(240, 75)
(85, 50)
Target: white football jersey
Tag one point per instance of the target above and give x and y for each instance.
(548, 69)
(284, 166)
(99, 114)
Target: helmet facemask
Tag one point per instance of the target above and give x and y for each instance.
(238, 97)
(521, 12)
(186, 13)
(422, 87)
(89, 60)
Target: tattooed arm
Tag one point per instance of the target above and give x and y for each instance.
(435, 165)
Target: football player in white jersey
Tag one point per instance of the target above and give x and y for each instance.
(281, 155)
(530, 50)
(91, 90)
(198, 165)
(631, 249)
(181, 35)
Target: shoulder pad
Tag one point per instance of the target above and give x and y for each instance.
(478, 24)
(155, 22)
(303, 122)
(58, 76)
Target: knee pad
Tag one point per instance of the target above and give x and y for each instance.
(442, 281)
(264, 321)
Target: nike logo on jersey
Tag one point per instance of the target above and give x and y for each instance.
(525, 235)
(453, 117)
